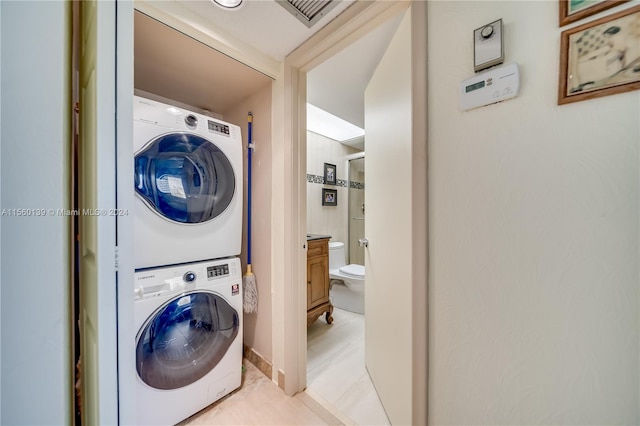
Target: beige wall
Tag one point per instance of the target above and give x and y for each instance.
(35, 304)
(327, 220)
(258, 326)
(533, 222)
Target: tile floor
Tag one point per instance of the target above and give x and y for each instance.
(336, 374)
(259, 401)
(339, 391)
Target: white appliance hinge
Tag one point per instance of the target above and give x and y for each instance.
(116, 258)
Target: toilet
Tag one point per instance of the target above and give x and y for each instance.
(348, 292)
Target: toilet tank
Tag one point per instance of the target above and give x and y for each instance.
(337, 257)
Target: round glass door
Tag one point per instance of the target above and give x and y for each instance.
(184, 178)
(185, 339)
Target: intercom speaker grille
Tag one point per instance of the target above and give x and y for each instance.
(308, 11)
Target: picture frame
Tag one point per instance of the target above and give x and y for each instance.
(575, 10)
(600, 58)
(329, 174)
(329, 197)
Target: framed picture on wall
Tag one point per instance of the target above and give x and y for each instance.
(329, 174)
(600, 58)
(574, 10)
(329, 197)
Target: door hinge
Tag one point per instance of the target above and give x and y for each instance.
(117, 260)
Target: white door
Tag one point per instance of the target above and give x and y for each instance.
(393, 198)
(96, 190)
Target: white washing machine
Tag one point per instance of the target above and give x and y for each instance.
(188, 186)
(189, 338)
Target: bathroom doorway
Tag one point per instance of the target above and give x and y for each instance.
(403, 392)
(356, 208)
(336, 372)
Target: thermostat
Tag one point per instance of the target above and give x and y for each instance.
(487, 46)
(495, 85)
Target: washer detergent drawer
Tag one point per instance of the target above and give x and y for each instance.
(185, 339)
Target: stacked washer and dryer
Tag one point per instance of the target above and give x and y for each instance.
(188, 278)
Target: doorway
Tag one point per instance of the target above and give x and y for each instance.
(403, 390)
(336, 372)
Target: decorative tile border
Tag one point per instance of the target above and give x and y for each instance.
(315, 179)
(339, 182)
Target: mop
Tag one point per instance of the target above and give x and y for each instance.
(249, 287)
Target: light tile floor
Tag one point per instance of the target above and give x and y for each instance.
(336, 373)
(259, 401)
(339, 390)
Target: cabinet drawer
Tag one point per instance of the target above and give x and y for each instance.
(318, 248)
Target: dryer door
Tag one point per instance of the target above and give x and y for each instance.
(185, 339)
(184, 178)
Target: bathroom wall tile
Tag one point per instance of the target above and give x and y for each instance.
(321, 219)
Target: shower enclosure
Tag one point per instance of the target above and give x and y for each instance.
(356, 208)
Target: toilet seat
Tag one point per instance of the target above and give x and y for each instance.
(356, 271)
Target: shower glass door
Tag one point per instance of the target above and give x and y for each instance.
(356, 210)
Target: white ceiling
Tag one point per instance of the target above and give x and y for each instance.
(263, 24)
(337, 85)
(174, 66)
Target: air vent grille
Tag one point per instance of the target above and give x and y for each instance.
(308, 11)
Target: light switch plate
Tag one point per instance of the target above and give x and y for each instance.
(487, 46)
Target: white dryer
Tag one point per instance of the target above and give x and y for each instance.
(188, 186)
(189, 338)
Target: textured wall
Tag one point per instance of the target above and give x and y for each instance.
(534, 282)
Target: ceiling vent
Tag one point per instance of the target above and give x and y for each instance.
(308, 11)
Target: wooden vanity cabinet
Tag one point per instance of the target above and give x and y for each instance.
(318, 302)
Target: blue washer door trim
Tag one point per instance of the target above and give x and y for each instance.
(185, 339)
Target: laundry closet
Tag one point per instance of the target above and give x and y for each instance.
(190, 136)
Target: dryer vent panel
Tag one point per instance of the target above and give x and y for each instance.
(308, 11)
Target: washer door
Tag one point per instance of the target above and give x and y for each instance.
(185, 339)
(184, 177)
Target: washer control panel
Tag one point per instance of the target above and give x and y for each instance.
(189, 277)
(181, 278)
(218, 271)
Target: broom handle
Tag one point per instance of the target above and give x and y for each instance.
(249, 138)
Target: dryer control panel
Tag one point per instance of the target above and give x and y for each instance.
(220, 128)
